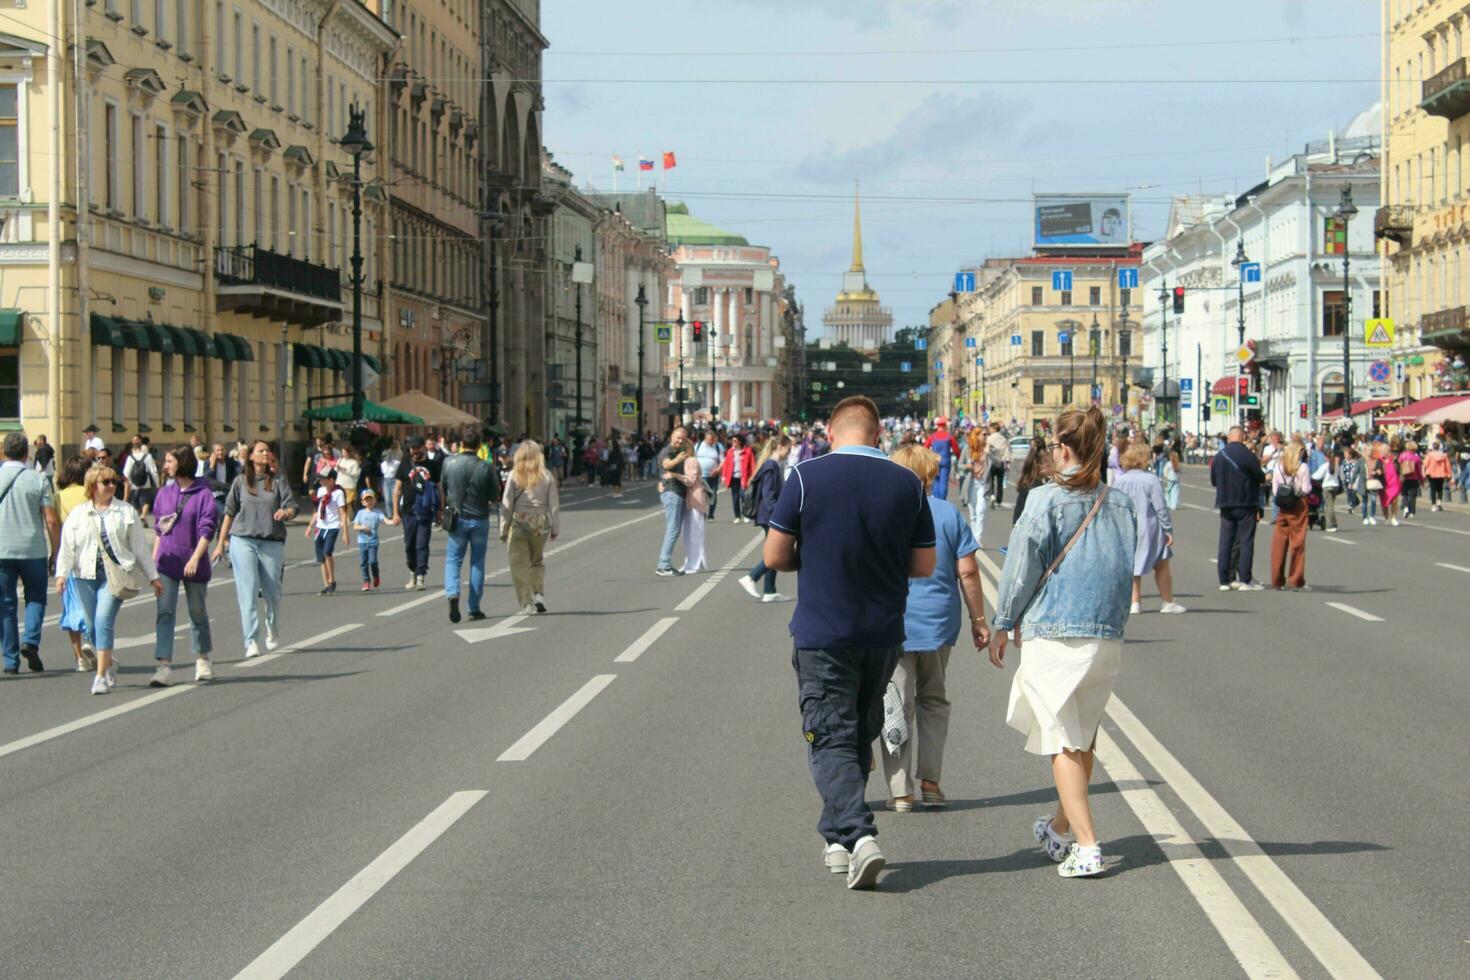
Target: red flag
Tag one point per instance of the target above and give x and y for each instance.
(669, 162)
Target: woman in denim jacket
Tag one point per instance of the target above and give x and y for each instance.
(1068, 625)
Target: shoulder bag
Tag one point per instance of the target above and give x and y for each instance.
(507, 515)
(451, 511)
(123, 581)
(1056, 562)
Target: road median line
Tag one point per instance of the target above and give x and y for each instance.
(552, 723)
(650, 636)
(705, 588)
(310, 641)
(1354, 611)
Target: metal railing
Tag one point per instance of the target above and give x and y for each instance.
(251, 265)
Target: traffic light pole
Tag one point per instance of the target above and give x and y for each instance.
(1164, 301)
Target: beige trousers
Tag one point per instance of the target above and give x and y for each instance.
(920, 680)
(527, 570)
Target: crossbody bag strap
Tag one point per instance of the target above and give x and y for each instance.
(105, 541)
(1096, 506)
(6, 492)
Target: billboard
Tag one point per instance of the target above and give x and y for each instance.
(1071, 220)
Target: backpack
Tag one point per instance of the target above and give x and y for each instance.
(426, 495)
(138, 474)
(750, 503)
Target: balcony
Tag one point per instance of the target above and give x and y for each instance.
(1447, 94)
(1394, 222)
(263, 283)
(1445, 328)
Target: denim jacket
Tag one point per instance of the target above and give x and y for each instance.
(1089, 593)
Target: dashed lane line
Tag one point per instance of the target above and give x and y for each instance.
(709, 584)
(1257, 955)
(650, 636)
(1336, 539)
(1354, 611)
(30, 741)
(1453, 568)
(552, 723)
(288, 951)
(1336, 954)
(294, 647)
(1184, 503)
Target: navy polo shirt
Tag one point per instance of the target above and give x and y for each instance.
(856, 515)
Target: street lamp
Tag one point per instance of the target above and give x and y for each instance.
(581, 272)
(1125, 342)
(1239, 263)
(1094, 338)
(679, 326)
(642, 301)
(1164, 345)
(1346, 211)
(355, 143)
(1069, 330)
(492, 219)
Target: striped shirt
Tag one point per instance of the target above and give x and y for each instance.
(22, 529)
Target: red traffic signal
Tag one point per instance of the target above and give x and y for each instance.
(1244, 386)
(1178, 299)
(698, 331)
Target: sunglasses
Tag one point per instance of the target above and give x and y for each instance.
(107, 483)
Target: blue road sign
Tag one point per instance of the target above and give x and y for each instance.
(964, 282)
(1064, 337)
(1127, 278)
(1186, 384)
(1061, 281)
(1015, 340)
(921, 344)
(979, 362)
(905, 366)
(970, 342)
(1379, 371)
(1250, 272)
(1097, 389)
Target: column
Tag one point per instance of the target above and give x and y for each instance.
(734, 400)
(717, 308)
(732, 296)
(765, 398)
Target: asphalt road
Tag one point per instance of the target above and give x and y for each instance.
(619, 788)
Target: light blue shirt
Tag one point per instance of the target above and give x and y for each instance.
(708, 456)
(22, 526)
(932, 618)
(369, 519)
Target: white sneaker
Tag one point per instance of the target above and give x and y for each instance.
(748, 584)
(89, 655)
(1171, 608)
(735, 521)
(867, 864)
(203, 670)
(1227, 588)
(111, 674)
(1235, 585)
(272, 638)
(539, 602)
(82, 666)
(1051, 842)
(837, 859)
(1135, 609)
(251, 650)
(413, 581)
(775, 597)
(1082, 862)
(1332, 530)
(1393, 522)
(422, 583)
(1367, 521)
(162, 677)
(1252, 587)
(100, 685)
(529, 609)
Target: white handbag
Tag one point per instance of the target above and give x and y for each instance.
(895, 725)
(123, 581)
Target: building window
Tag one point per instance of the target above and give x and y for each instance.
(1334, 313)
(219, 40)
(1066, 297)
(1125, 344)
(255, 59)
(239, 202)
(305, 91)
(10, 384)
(1378, 297)
(9, 142)
(135, 13)
(185, 177)
(1037, 295)
(1066, 393)
(262, 389)
(110, 136)
(222, 170)
(239, 38)
(227, 384)
(290, 80)
(140, 200)
(1038, 392)
(1094, 295)
(160, 173)
(275, 213)
(189, 391)
(145, 375)
(701, 295)
(1038, 343)
(307, 222)
(749, 294)
(160, 20)
(181, 25)
(291, 230)
(259, 198)
(1067, 348)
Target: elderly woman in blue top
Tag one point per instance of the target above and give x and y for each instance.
(931, 624)
(1064, 593)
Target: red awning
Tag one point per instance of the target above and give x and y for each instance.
(1360, 408)
(1227, 386)
(1412, 413)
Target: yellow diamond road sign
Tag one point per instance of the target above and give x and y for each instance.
(1378, 333)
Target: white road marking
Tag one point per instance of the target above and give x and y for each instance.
(19, 744)
(1336, 539)
(310, 641)
(1257, 955)
(506, 627)
(1351, 611)
(1453, 568)
(599, 533)
(1332, 949)
(288, 951)
(552, 723)
(1434, 527)
(421, 600)
(1196, 507)
(649, 637)
(144, 640)
(709, 584)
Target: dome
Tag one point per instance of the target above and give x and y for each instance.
(1369, 123)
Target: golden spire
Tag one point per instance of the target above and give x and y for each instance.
(857, 229)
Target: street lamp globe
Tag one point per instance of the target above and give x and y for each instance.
(355, 143)
(1240, 257)
(1346, 210)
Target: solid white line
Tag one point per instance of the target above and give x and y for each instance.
(1336, 539)
(597, 534)
(649, 637)
(1332, 949)
(1351, 611)
(1257, 955)
(292, 648)
(552, 723)
(1453, 568)
(414, 603)
(1196, 507)
(708, 586)
(1434, 527)
(285, 953)
(31, 740)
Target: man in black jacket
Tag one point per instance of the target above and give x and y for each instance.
(1236, 475)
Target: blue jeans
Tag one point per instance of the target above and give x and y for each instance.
(101, 609)
(737, 486)
(259, 564)
(471, 533)
(17, 573)
(168, 604)
(760, 571)
(941, 482)
(673, 519)
(367, 558)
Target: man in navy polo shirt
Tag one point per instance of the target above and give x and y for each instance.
(855, 526)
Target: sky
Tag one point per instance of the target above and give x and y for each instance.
(951, 115)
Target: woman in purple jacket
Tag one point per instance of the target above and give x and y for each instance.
(184, 516)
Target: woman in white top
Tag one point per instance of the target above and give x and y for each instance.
(325, 525)
(102, 530)
(388, 470)
(532, 516)
(349, 473)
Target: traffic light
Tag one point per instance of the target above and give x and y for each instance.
(698, 331)
(1204, 413)
(1251, 401)
(1178, 299)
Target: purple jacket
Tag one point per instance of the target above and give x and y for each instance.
(195, 520)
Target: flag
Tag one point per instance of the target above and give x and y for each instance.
(645, 163)
(669, 162)
(617, 163)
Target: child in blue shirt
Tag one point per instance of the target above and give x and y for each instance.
(365, 522)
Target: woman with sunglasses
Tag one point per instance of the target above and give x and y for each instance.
(1064, 597)
(256, 511)
(103, 529)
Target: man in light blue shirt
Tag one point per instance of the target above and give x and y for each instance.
(29, 534)
(931, 624)
(709, 456)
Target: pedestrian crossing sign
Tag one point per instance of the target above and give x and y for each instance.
(663, 334)
(1222, 405)
(627, 407)
(1378, 333)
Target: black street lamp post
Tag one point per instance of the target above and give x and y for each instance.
(577, 421)
(1346, 211)
(642, 301)
(355, 143)
(1094, 340)
(1164, 346)
(679, 326)
(1239, 262)
(492, 294)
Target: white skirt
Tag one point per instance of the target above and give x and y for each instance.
(1060, 690)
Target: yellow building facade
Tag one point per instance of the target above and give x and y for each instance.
(174, 254)
(1425, 222)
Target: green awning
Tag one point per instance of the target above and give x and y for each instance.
(109, 331)
(156, 337)
(232, 347)
(184, 342)
(373, 363)
(306, 355)
(372, 412)
(203, 342)
(10, 321)
(342, 358)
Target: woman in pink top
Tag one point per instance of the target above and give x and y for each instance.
(1411, 478)
(1393, 486)
(696, 500)
(1436, 471)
